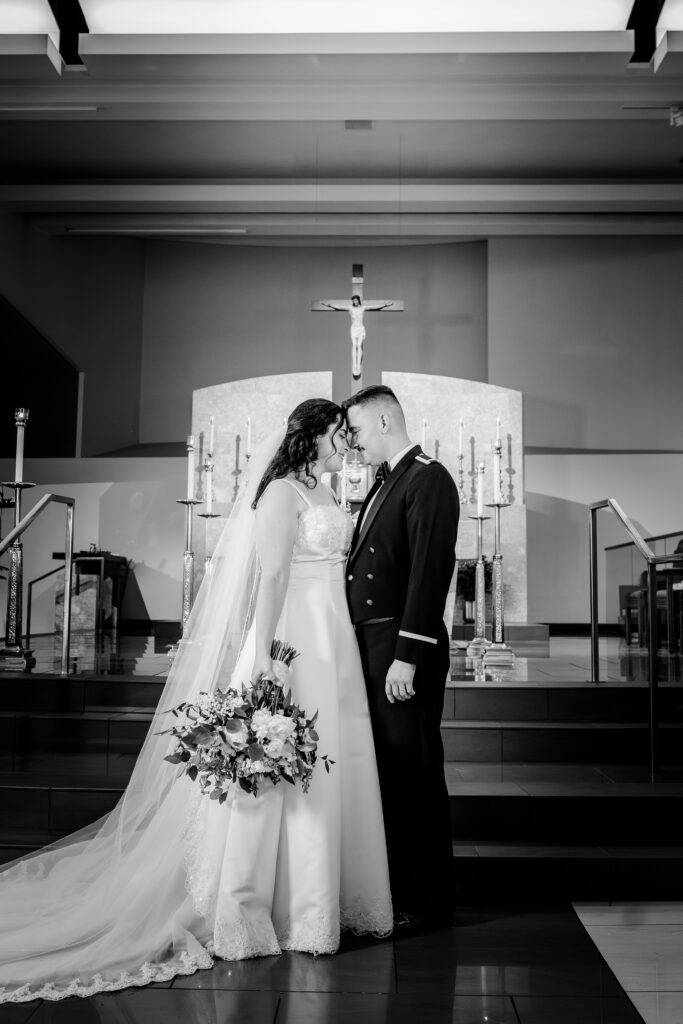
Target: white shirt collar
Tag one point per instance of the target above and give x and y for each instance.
(393, 463)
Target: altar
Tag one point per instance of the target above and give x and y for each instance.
(455, 420)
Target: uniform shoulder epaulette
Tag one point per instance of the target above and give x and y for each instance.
(424, 459)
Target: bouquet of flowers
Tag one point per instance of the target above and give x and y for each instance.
(247, 735)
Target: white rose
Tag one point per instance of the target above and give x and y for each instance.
(260, 723)
(280, 727)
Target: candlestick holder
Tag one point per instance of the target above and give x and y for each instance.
(13, 656)
(188, 559)
(479, 644)
(499, 652)
(461, 479)
(207, 516)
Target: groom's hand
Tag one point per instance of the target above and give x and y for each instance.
(399, 684)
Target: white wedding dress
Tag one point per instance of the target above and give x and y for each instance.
(145, 900)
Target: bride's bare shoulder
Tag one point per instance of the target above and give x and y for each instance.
(281, 493)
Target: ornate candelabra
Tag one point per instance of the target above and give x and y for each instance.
(13, 657)
(188, 556)
(209, 514)
(461, 479)
(188, 559)
(479, 644)
(499, 653)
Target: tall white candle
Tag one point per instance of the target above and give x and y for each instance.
(209, 487)
(480, 488)
(19, 460)
(248, 435)
(211, 435)
(190, 467)
(424, 434)
(496, 472)
(498, 434)
(460, 436)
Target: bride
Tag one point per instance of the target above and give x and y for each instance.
(169, 879)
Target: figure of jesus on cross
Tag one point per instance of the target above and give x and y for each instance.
(357, 308)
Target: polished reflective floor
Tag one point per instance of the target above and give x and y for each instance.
(104, 653)
(643, 944)
(493, 966)
(563, 661)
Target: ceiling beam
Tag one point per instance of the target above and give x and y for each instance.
(343, 229)
(320, 198)
(71, 21)
(643, 22)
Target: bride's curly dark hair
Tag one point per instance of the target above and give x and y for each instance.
(299, 449)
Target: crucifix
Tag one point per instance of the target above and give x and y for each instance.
(357, 307)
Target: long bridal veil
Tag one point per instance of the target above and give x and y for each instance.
(108, 906)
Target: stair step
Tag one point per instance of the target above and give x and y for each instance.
(47, 802)
(45, 692)
(563, 851)
(558, 703)
(502, 741)
(565, 813)
(498, 872)
(110, 732)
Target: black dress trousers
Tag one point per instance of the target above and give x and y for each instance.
(410, 756)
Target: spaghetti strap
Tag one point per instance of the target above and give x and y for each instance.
(296, 488)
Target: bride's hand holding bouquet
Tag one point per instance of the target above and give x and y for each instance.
(247, 736)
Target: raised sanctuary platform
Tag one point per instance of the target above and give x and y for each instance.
(549, 790)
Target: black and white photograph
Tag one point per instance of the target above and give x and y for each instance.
(341, 529)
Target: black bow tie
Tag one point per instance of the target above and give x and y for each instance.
(383, 471)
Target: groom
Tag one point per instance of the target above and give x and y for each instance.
(399, 569)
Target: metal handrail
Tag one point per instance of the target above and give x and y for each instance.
(16, 533)
(652, 561)
(29, 599)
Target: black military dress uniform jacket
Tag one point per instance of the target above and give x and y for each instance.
(402, 554)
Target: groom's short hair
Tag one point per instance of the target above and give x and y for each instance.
(375, 394)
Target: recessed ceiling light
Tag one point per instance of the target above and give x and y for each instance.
(47, 108)
(137, 229)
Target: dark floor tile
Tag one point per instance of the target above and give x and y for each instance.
(561, 1010)
(535, 979)
(368, 968)
(319, 1008)
(161, 1006)
(17, 1013)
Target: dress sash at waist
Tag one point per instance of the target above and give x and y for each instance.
(329, 571)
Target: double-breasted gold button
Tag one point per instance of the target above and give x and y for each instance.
(369, 601)
(371, 576)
